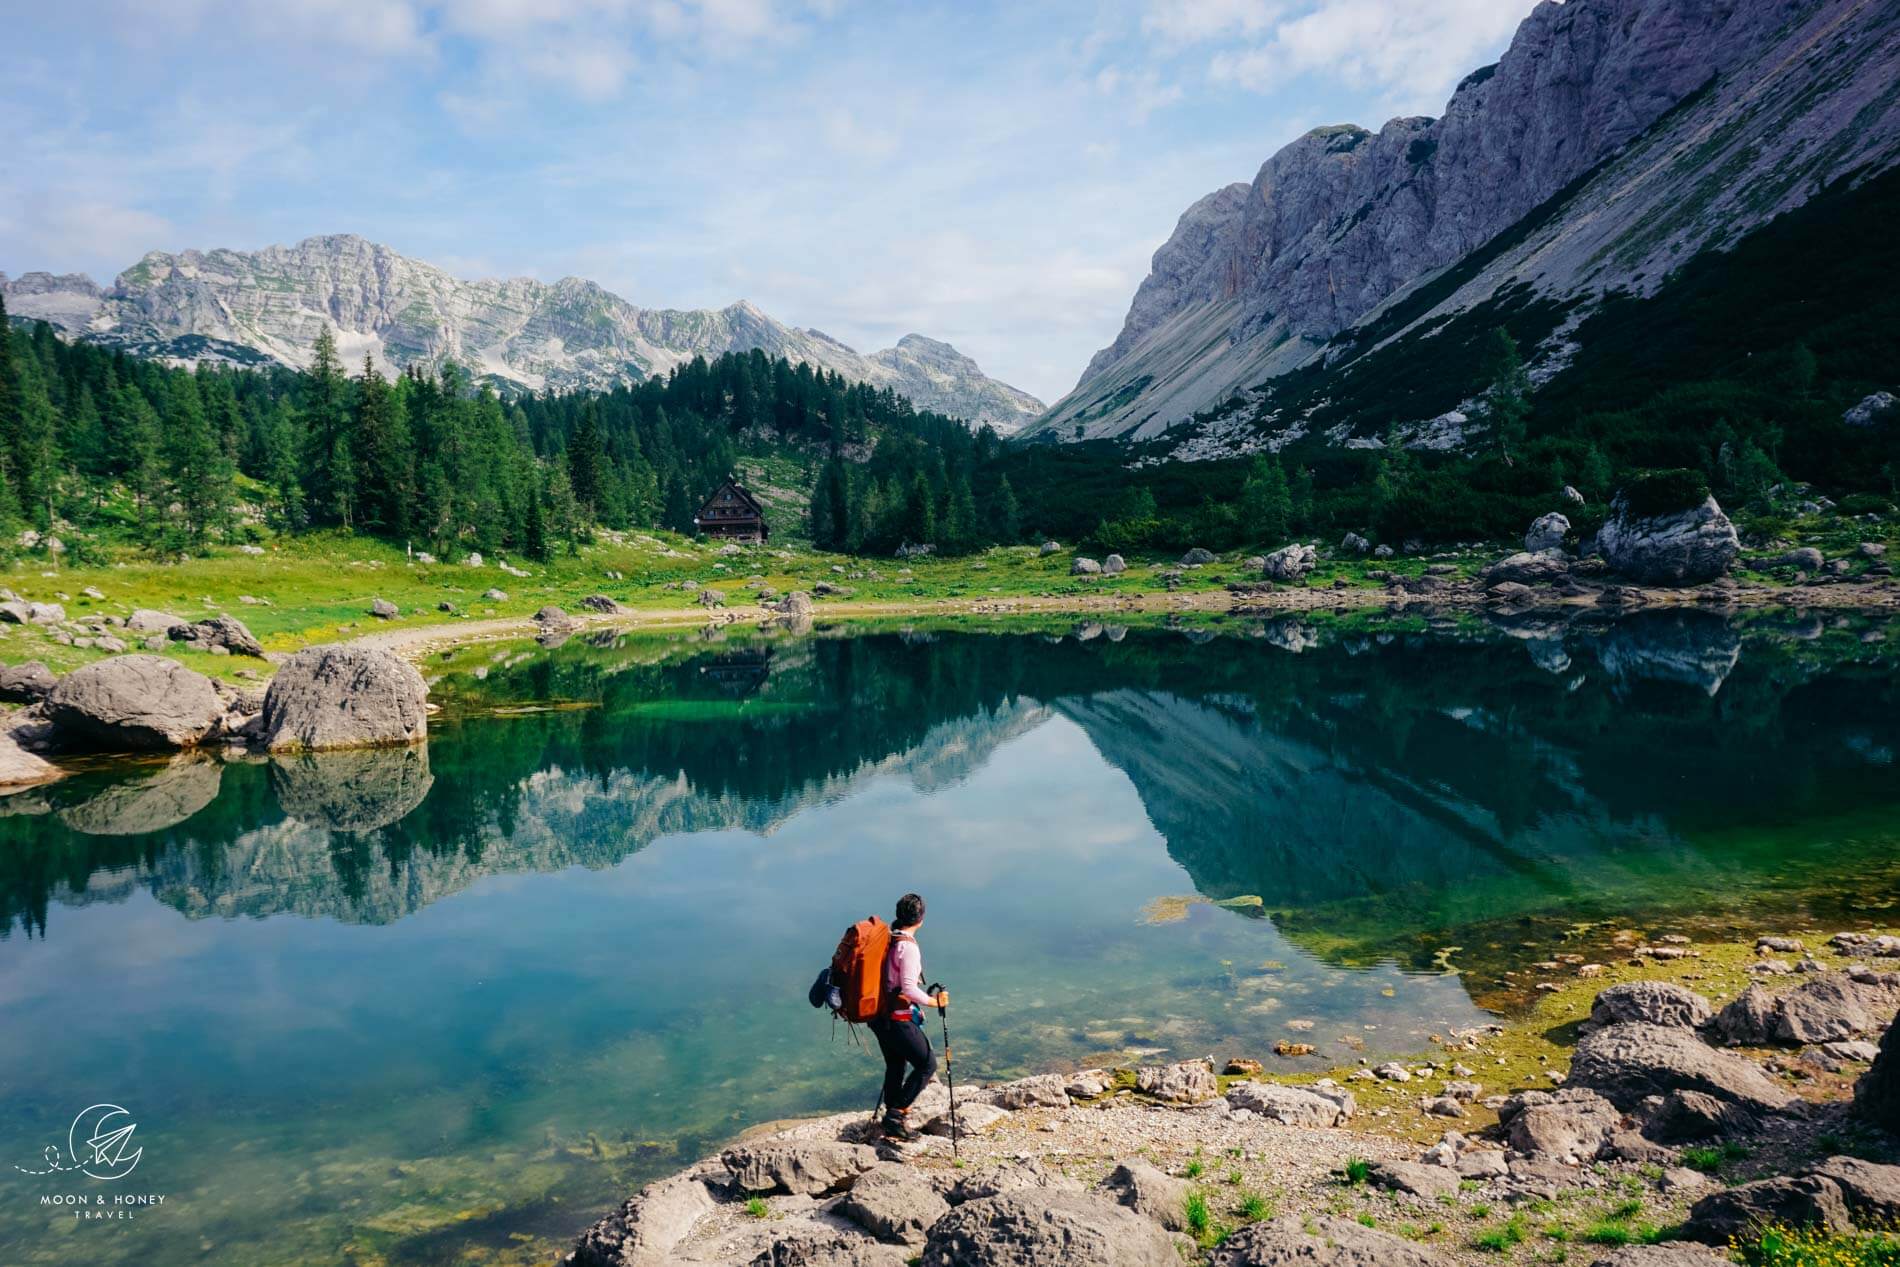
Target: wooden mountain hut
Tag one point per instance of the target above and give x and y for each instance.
(732, 514)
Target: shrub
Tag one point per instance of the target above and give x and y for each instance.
(1254, 1207)
(1864, 504)
(757, 1208)
(1358, 1170)
(1665, 492)
(1778, 1246)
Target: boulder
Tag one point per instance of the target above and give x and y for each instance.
(1652, 1002)
(147, 621)
(1353, 543)
(820, 1245)
(1571, 496)
(1044, 1091)
(1293, 1106)
(1626, 1062)
(710, 597)
(1320, 1241)
(1832, 1006)
(134, 702)
(1114, 565)
(1515, 592)
(1871, 1190)
(1050, 547)
(1414, 1178)
(1572, 1129)
(1289, 563)
(1877, 1094)
(1803, 559)
(1525, 568)
(797, 603)
(600, 603)
(894, 1202)
(1080, 566)
(1047, 1225)
(1547, 532)
(1685, 548)
(1797, 1200)
(1149, 1193)
(383, 609)
(20, 768)
(343, 697)
(1086, 1084)
(644, 1231)
(1197, 557)
(806, 1167)
(1665, 1255)
(1009, 1176)
(1827, 1007)
(1690, 1117)
(495, 595)
(227, 632)
(1184, 1082)
(1872, 410)
(26, 683)
(1749, 1019)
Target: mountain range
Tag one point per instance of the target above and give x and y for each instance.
(1611, 143)
(255, 307)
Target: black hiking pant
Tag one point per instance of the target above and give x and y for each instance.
(905, 1046)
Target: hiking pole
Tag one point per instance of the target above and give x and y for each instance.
(949, 1071)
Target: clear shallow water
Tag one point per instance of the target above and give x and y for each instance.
(445, 1005)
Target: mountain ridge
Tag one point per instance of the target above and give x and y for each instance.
(1684, 126)
(569, 334)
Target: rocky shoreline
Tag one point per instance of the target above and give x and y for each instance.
(1678, 1129)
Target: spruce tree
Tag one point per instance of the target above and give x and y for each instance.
(586, 456)
(328, 469)
(1507, 398)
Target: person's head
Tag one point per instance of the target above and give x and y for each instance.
(910, 911)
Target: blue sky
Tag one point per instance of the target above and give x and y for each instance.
(996, 175)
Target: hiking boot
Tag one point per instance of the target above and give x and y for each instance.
(896, 1127)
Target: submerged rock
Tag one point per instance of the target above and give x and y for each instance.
(20, 768)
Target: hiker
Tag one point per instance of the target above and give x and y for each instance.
(899, 1027)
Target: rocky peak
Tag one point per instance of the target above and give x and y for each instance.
(1257, 278)
(270, 304)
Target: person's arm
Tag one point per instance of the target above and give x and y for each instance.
(910, 971)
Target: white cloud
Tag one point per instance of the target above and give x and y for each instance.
(1409, 53)
(1194, 21)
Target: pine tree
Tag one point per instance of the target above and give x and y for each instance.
(384, 459)
(9, 398)
(198, 473)
(1507, 399)
(31, 458)
(534, 535)
(137, 432)
(585, 457)
(919, 524)
(1266, 502)
(328, 467)
(1006, 515)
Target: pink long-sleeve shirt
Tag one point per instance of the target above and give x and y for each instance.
(904, 972)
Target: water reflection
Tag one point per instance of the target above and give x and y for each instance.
(1557, 754)
(440, 1004)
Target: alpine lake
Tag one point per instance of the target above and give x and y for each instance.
(447, 1005)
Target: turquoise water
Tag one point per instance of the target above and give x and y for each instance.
(446, 1005)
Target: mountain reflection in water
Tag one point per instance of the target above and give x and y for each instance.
(447, 1004)
(1547, 757)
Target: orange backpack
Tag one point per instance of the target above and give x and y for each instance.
(857, 969)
